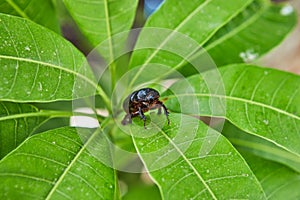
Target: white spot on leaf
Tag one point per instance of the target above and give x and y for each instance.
(27, 48)
(249, 55)
(84, 121)
(287, 10)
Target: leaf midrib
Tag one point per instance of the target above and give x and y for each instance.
(17, 9)
(184, 158)
(241, 100)
(265, 148)
(167, 39)
(190, 164)
(108, 30)
(38, 62)
(241, 27)
(67, 170)
(230, 34)
(50, 114)
(85, 78)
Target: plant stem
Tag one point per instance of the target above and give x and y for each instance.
(104, 97)
(46, 113)
(112, 69)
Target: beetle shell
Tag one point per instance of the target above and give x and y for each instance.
(141, 101)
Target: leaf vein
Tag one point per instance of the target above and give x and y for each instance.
(278, 89)
(17, 64)
(244, 101)
(237, 81)
(27, 177)
(63, 194)
(86, 182)
(41, 157)
(178, 181)
(37, 52)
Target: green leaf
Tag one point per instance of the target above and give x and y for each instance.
(38, 65)
(17, 122)
(100, 20)
(252, 33)
(199, 20)
(188, 152)
(260, 147)
(278, 181)
(230, 31)
(41, 13)
(57, 165)
(142, 192)
(260, 101)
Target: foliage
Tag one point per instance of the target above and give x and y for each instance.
(249, 149)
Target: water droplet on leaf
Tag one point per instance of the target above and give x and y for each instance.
(249, 55)
(266, 122)
(40, 86)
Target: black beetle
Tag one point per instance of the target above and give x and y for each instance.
(139, 102)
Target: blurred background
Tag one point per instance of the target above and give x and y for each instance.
(287, 55)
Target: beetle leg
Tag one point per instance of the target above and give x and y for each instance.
(142, 116)
(166, 112)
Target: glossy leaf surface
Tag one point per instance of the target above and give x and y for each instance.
(41, 13)
(260, 147)
(229, 34)
(17, 122)
(260, 101)
(188, 152)
(101, 20)
(252, 33)
(278, 181)
(38, 65)
(56, 165)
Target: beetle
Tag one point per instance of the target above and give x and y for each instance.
(141, 101)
